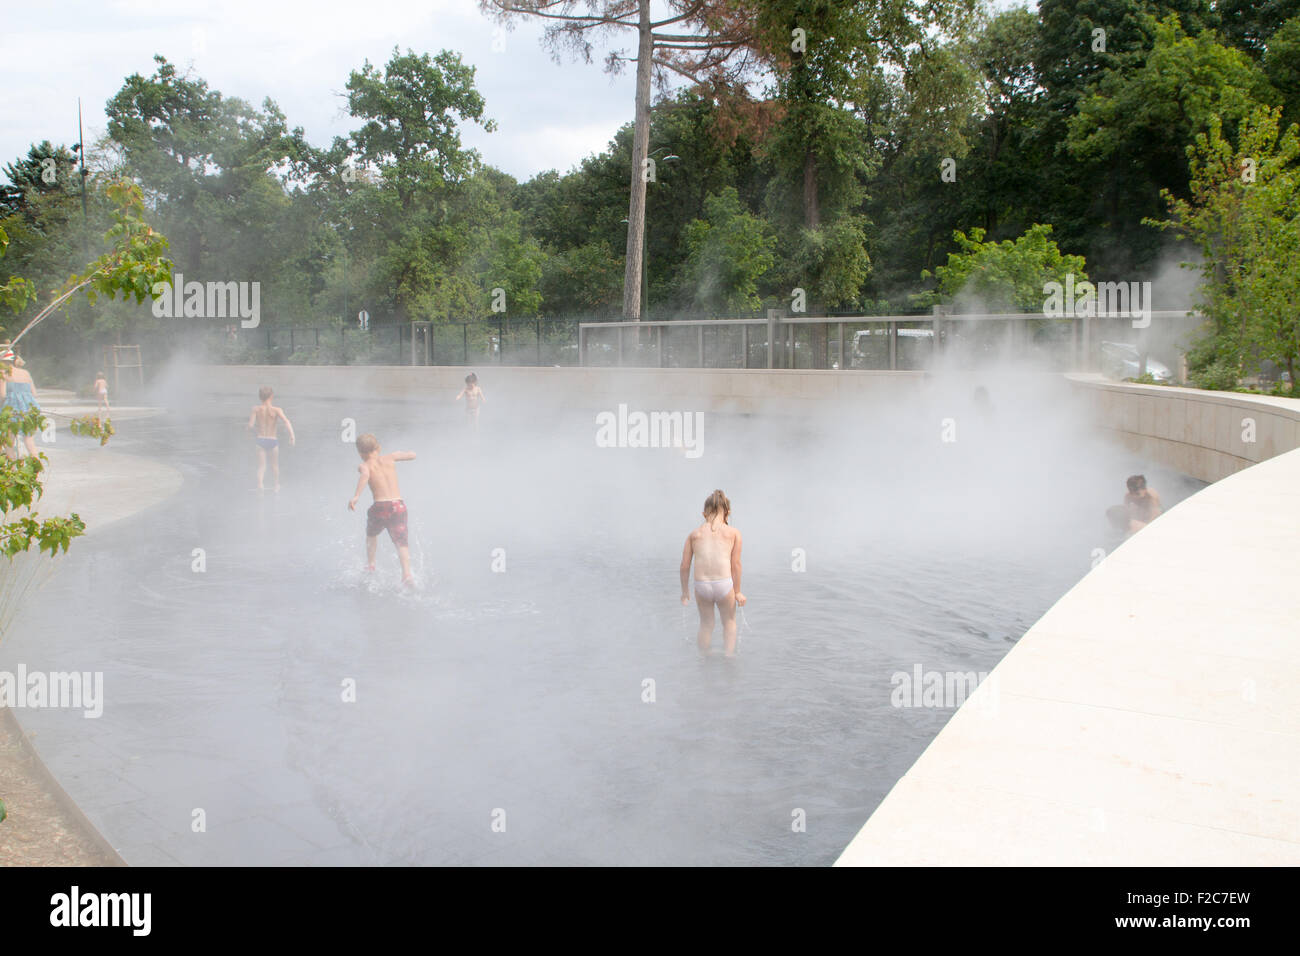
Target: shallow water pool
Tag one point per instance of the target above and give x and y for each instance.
(538, 698)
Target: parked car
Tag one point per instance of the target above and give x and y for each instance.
(871, 346)
(1121, 360)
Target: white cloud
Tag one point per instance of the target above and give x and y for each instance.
(299, 54)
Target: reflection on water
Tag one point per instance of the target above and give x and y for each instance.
(319, 714)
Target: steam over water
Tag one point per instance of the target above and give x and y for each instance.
(523, 690)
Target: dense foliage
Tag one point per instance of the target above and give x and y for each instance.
(888, 156)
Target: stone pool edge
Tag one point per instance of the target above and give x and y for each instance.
(102, 487)
(1146, 717)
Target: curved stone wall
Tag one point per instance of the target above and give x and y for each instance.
(1208, 435)
(1149, 717)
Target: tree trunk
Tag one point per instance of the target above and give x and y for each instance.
(812, 218)
(640, 148)
(811, 206)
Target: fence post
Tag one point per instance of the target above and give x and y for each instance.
(771, 337)
(893, 346)
(538, 327)
(620, 346)
(700, 341)
(659, 344)
(841, 356)
(582, 346)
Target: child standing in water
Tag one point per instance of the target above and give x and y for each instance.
(266, 418)
(473, 398)
(389, 511)
(101, 392)
(715, 548)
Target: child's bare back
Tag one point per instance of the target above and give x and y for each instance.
(380, 473)
(388, 513)
(711, 549)
(266, 420)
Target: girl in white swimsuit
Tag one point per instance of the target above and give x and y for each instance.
(714, 548)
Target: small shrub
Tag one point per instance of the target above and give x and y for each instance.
(1217, 376)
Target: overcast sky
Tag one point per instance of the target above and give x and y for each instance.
(299, 54)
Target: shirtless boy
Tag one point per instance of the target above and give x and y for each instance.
(266, 419)
(715, 548)
(1143, 503)
(473, 398)
(389, 511)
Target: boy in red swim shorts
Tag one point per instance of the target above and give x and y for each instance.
(388, 513)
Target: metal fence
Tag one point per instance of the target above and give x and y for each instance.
(525, 341)
(783, 341)
(779, 341)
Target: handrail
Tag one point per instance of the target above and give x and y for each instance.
(862, 319)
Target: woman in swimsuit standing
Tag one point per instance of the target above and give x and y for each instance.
(18, 391)
(715, 548)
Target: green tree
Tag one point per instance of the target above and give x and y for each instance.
(1004, 276)
(135, 261)
(1251, 24)
(207, 161)
(1153, 111)
(835, 64)
(1281, 64)
(729, 251)
(585, 280)
(433, 210)
(698, 39)
(1097, 204)
(45, 170)
(1243, 213)
(995, 166)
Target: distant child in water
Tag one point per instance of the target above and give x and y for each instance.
(101, 392)
(715, 548)
(1143, 503)
(389, 511)
(1141, 506)
(266, 419)
(473, 398)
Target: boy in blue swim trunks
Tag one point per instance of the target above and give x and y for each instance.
(266, 419)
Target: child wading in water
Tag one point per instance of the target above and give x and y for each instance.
(388, 511)
(473, 398)
(101, 393)
(267, 417)
(715, 548)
